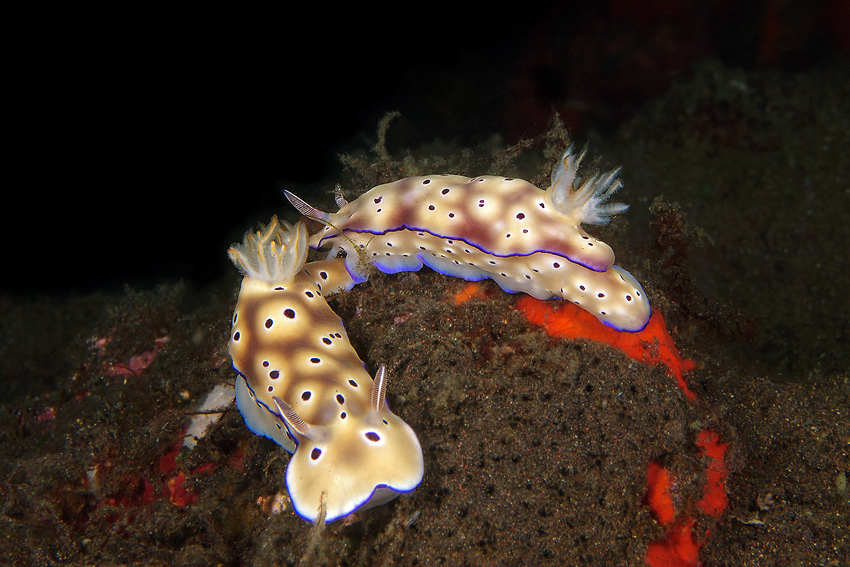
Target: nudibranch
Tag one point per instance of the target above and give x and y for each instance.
(526, 239)
(301, 383)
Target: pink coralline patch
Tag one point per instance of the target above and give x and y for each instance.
(139, 492)
(49, 414)
(168, 462)
(137, 363)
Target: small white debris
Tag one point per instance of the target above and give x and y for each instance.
(217, 400)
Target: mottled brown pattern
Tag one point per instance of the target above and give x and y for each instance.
(289, 345)
(408, 202)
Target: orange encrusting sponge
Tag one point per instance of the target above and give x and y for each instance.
(659, 495)
(680, 547)
(471, 290)
(714, 499)
(653, 345)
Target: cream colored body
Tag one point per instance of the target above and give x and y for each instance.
(526, 239)
(302, 384)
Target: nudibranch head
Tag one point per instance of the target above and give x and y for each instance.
(354, 462)
(274, 253)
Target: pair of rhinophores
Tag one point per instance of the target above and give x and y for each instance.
(300, 381)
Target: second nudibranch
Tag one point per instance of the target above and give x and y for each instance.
(301, 383)
(524, 238)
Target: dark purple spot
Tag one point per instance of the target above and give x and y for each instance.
(379, 210)
(279, 289)
(600, 295)
(445, 191)
(520, 216)
(326, 340)
(269, 323)
(323, 275)
(508, 235)
(378, 200)
(353, 383)
(527, 277)
(274, 374)
(271, 388)
(628, 298)
(525, 231)
(451, 215)
(581, 287)
(426, 182)
(308, 293)
(306, 395)
(339, 399)
(373, 437)
(289, 314)
(556, 265)
(236, 336)
(316, 453)
(235, 315)
(342, 415)
(315, 360)
(265, 364)
(431, 207)
(542, 206)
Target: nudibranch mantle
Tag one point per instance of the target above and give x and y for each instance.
(301, 383)
(526, 239)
